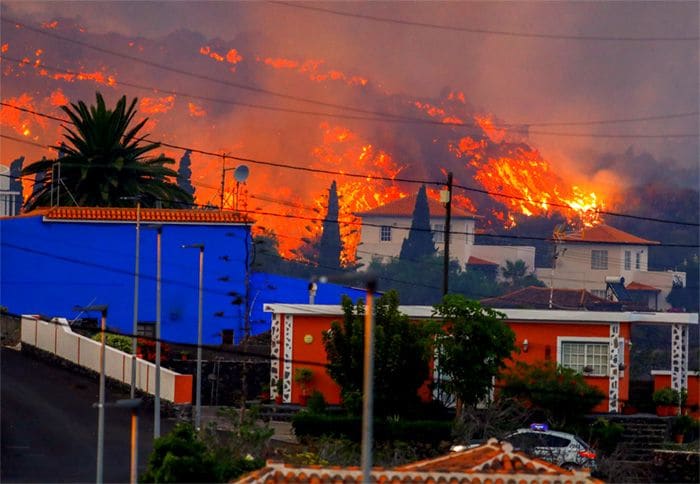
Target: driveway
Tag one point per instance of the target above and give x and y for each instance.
(49, 427)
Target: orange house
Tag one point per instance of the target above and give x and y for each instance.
(593, 342)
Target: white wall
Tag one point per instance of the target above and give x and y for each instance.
(56, 337)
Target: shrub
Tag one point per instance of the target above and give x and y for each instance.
(118, 341)
(316, 403)
(669, 396)
(306, 425)
(605, 435)
(561, 393)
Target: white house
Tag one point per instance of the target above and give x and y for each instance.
(585, 258)
(385, 228)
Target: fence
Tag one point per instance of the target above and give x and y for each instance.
(56, 337)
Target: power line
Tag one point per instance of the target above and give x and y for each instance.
(354, 175)
(522, 128)
(502, 33)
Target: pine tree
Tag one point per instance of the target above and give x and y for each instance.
(419, 243)
(184, 173)
(330, 246)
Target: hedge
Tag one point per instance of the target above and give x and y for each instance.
(313, 425)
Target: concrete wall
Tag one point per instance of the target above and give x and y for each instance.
(57, 338)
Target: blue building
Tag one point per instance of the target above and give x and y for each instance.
(54, 260)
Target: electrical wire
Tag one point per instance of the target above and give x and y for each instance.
(521, 128)
(501, 33)
(352, 175)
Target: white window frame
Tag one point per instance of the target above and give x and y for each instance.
(385, 233)
(438, 233)
(638, 261)
(628, 260)
(600, 263)
(590, 340)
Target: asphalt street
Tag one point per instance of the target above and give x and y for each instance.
(49, 426)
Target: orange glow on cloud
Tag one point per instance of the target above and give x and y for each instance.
(151, 105)
(196, 111)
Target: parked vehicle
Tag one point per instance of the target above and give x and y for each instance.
(560, 448)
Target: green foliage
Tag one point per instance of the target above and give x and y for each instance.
(605, 435)
(669, 396)
(419, 243)
(118, 341)
(218, 456)
(180, 457)
(330, 245)
(400, 354)
(306, 425)
(518, 276)
(104, 160)
(316, 403)
(682, 424)
(561, 393)
(249, 436)
(472, 346)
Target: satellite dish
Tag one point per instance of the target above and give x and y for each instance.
(241, 173)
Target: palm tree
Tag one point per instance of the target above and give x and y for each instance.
(104, 161)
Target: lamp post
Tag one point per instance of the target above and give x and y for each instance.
(368, 381)
(198, 394)
(133, 404)
(156, 401)
(156, 406)
(135, 326)
(101, 405)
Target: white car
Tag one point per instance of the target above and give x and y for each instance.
(560, 448)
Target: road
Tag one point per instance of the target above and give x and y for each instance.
(49, 427)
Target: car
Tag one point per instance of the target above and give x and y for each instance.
(560, 448)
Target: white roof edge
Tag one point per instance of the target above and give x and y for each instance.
(668, 372)
(511, 314)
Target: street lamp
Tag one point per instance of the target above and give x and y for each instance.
(135, 326)
(156, 402)
(198, 394)
(133, 404)
(101, 405)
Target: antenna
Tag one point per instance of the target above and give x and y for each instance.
(241, 175)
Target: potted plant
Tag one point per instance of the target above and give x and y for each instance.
(304, 376)
(279, 387)
(667, 401)
(265, 393)
(680, 426)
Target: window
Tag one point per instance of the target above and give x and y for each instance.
(438, 233)
(628, 260)
(146, 330)
(599, 259)
(638, 260)
(580, 355)
(385, 233)
(226, 336)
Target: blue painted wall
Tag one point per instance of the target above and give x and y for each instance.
(50, 267)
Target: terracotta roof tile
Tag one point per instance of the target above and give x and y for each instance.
(147, 215)
(538, 298)
(475, 261)
(490, 463)
(638, 286)
(403, 207)
(605, 234)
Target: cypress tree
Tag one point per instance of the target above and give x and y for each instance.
(419, 243)
(330, 246)
(184, 174)
(16, 182)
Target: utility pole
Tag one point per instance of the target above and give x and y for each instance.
(368, 384)
(156, 405)
(446, 196)
(223, 182)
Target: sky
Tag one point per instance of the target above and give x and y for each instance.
(558, 68)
